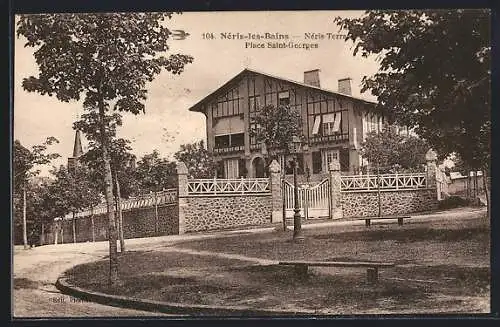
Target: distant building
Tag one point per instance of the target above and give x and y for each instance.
(334, 123)
(77, 152)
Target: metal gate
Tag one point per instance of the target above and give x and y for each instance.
(314, 200)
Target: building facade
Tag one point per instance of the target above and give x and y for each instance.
(334, 124)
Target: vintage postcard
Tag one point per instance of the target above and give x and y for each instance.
(257, 163)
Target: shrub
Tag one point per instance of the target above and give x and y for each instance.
(454, 202)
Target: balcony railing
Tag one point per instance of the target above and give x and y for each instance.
(329, 138)
(229, 149)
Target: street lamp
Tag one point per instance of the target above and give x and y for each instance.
(295, 148)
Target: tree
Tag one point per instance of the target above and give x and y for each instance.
(155, 173)
(391, 151)
(434, 74)
(106, 59)
(275, 127)
(24, 163)
(73, 191)
(199, 161)
(123, 173)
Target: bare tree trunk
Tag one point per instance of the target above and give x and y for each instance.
(108, 187)
(42, 236)
(92, 222)
(25, 232)
(486, 193)
(156, 211)
(56, 233)
(283, 190)
(120, 215)
(378, 191)
(74, 228)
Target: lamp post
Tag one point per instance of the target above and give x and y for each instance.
(296, 146)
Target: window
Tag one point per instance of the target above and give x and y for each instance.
(229, 140)
(344, 159)
(237, 139)
(242, 168)
(254, 103)
(222, 141)
(331, 123)
(316, 162)
(329, 156)
(284, 98)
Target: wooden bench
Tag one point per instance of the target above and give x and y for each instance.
(399, 218)
(301, 267)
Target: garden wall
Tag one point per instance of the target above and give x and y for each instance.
(365, 204)
(138, 222)
(226, 211)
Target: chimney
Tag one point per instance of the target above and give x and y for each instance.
(345, 86)
(311, 77)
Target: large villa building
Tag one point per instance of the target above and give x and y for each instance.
(334, 123)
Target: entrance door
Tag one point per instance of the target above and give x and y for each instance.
(259, 169)
(231, 168)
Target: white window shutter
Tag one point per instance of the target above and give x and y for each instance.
(336, 123)
(317, 122)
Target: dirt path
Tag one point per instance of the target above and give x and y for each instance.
(34, 293)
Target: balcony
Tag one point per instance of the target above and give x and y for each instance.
(329, 138)
(229, 149)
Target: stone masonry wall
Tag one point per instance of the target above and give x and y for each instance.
(365, 204)
(136, 223)
(209, 213)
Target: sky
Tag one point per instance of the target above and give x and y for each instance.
(167, 122)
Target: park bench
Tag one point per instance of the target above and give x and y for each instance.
(399, 218)
(372, 268)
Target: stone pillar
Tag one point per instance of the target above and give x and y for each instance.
(335, 192)
(431, 158)
(182, 200)
(276, 192)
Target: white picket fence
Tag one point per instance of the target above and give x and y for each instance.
(146, 200)
(353, 183)
(228, 186)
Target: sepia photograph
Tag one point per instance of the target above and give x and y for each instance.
(315, 163)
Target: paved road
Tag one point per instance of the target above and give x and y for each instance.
(36, 270)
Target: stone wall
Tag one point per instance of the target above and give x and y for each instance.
(365, 204)
(136, 223)
(227, 211)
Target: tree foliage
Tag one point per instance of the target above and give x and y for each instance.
(106, 59)
(155, 173)
(25, 160)
(393, 151)
(434, 74)
(276, 126)
(105, 56)
(73, 190)
(199, 161)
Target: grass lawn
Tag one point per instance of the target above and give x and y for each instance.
(440, 267)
